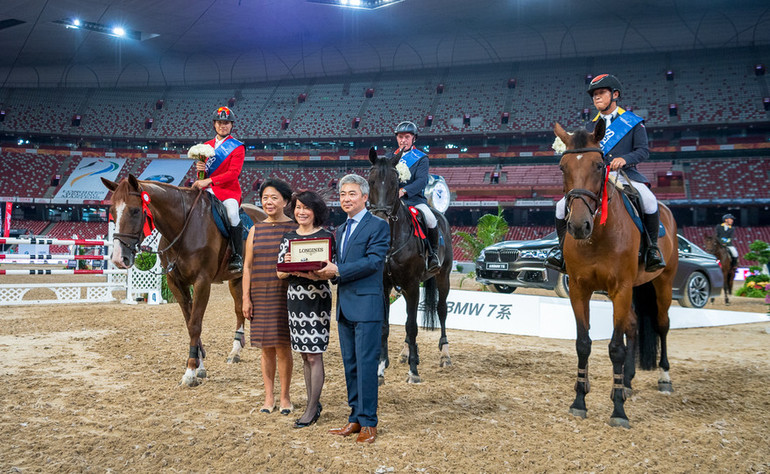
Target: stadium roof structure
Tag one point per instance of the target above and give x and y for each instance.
(190, 42)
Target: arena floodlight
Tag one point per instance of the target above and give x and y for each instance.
(358, 4)
(115, 30)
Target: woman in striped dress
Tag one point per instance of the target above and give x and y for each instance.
(264, 294)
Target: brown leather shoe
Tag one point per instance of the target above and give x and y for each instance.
(346, 430)
(367, 435)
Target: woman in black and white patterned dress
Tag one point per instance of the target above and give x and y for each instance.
(309, 302)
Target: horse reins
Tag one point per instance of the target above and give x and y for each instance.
(136, 238)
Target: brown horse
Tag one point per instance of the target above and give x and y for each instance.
(193, 251)
(605, 257)
(716, 248)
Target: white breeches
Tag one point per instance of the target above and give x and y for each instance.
(649, 201)
(733, 251)
(430, 219)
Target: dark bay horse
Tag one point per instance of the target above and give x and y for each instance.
(192, 247)
(405, 267)
(716, 248)
(605, 257)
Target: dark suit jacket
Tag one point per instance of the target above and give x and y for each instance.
(415, 187)
(359, 286)
(633, 148)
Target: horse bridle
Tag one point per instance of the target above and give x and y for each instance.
(581, 193)
(137, 237)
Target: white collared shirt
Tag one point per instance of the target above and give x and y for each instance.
(356, 220)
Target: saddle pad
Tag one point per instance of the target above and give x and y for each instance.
(219, 213)
(634, 213)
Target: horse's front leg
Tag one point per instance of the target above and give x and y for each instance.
(412, 302)
(384, 359)
(622, 325)
(195, 369)
(580, 300)
(239, 342)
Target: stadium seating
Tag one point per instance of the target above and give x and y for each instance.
(34, 227)
(27, 175)
(729, 179)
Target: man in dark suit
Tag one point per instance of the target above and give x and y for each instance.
(362, 243)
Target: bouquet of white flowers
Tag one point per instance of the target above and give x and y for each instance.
(558, 146)
(201, 152)
(403, 172)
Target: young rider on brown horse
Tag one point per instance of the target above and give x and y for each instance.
(624, 146)
(725, 232)
(222, 172)
(412, 190)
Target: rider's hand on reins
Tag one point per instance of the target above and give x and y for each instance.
(617, 164)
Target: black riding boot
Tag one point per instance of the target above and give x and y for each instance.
(236, 245)
(555, 258)
(433, 262)
(653, 260)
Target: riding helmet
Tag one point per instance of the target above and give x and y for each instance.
(728, 216)
(225, 114)
(406, 127)
(604, 81)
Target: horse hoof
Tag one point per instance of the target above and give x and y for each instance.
(234, 359)
(403, 359)
(411, 378)
(445, 362)
(665, 387)
(380, 380)
(200, 373)
(189, 381)
(621, 422)
(577, 412)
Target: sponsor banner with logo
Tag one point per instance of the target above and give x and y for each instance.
(85, 183)
(167, 171)
(551, 317)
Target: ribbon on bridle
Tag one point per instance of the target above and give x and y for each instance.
(149, 220)
(601, 200)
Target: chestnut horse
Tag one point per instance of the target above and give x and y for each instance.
(605, 257)
(405, 268)
(193, 251)
(716, 248)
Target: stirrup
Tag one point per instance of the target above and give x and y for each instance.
(236, 264)
(433, 263)
(654, 260)
(555, 260)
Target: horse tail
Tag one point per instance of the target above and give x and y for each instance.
(430, 314)
(646, 308)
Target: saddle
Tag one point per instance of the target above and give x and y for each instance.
(219, 213)
(632, 201)
(421, 231)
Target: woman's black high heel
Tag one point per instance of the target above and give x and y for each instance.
(300, 424)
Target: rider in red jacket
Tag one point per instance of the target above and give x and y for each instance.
(222, 172)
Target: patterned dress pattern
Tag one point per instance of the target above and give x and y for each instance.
(269, 322)
(309, 303)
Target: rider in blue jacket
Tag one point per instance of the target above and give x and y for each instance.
(412, 191)
(624, 145)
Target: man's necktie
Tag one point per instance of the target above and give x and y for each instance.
(348, 226)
